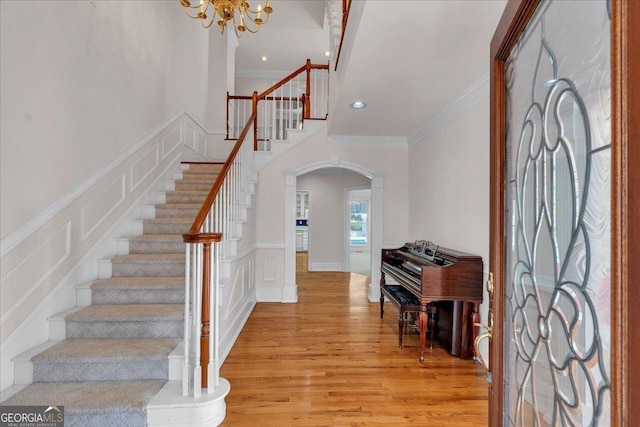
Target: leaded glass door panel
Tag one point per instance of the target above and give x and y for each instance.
(556, 263)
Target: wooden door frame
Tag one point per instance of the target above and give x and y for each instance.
(625, 201)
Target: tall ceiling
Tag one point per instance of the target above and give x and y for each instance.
(408, 60)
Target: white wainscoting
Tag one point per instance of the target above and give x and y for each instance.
(270, 272)
(57, 249)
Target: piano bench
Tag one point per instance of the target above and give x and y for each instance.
(405, 302)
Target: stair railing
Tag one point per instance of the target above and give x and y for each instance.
(302, 95)
(207, 243)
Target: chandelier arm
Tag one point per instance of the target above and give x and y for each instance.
(261, 15)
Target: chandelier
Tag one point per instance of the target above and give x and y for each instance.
(238, 11)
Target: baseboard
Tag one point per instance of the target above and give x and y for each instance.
(326, 266)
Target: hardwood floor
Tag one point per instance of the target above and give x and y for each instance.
(329, 361)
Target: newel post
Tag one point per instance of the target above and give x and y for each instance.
(307, 98)
(254, 110)
(206, 315)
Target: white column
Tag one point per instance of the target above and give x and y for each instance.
(376, 235)
(290, 288)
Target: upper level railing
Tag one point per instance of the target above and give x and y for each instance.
(207, 242)
(346, 7)
(302, 95)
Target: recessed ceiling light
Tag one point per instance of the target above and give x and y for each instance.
(358, 105)
(264, 59)
(327, 53)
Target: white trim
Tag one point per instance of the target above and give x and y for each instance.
(64, 228)
(376, 221)
(13, 238)
(269, 294)
(270, 245)
(326, 266)
(467, 99)
(345, 141)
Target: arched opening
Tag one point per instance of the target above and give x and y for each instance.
(374, 224)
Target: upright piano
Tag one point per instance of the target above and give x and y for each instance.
(449, 279)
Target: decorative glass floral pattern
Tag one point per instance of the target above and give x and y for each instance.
(557, 298)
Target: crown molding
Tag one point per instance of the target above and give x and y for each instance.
(467, 99)
(346, 141)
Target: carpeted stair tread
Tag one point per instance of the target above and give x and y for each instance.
(156, 244)
(188, 221)
(104, 350)
(146, 265)
(177, 226)
(198, 166)
(186, 196)
(192, 184)
(161, 282)
(208, 175)
(154, 237)
(148, 258)
(179, 205)
(128, 312)
(88, 403)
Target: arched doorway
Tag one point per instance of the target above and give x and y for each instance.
(289, 293)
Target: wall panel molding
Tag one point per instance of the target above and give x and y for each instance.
(103, 204)
(144, 167)
(172, 140)
(32, 269)
(269, 268)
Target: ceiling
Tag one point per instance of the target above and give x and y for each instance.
(408, 60)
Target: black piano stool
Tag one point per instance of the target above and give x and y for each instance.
(405, 302)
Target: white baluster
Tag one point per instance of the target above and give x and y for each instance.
(187, 284)
(197, 374)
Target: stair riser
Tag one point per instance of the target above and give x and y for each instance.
(137, 296)
(165, 228)
(193, 186)
(158, 269)
(204, 167)
(125, 329)
(176, 212)
(202, 176)
(185, 198)
(156, 247)
(101, 371)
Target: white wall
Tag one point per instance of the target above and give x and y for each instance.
(391, 164)
(449, 184)
(327, 215)
(91, 95)
(80, 82)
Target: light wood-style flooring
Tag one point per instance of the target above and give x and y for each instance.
(329, 361)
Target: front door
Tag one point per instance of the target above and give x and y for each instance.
(559, 309)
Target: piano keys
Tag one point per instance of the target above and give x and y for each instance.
(449, 278)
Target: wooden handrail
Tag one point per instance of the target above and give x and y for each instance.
(268, 98)
(346, 7)
(257, 97)
(308, 66)
(193, 235)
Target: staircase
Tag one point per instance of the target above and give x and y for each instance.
(112, 356)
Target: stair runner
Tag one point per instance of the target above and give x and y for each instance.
(115, 355)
